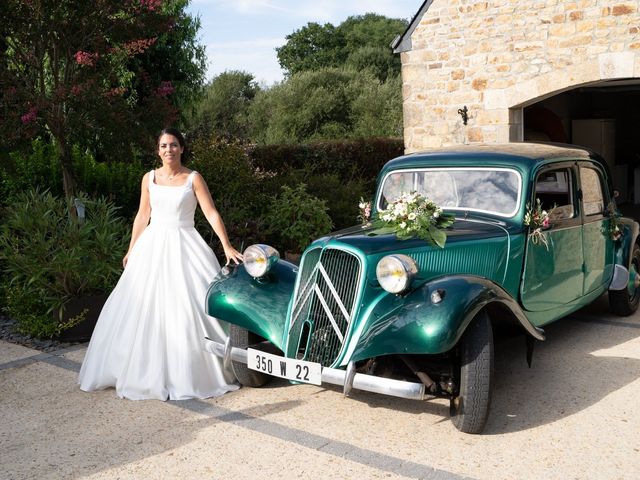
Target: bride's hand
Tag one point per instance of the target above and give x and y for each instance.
(232, 255)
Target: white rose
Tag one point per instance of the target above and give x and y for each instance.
(403, 225)
(412, 216)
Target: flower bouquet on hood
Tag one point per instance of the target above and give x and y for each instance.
(412, 215)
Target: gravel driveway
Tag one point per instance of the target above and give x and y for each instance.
(573, 415)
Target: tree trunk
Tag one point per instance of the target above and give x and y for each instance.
(66, 162)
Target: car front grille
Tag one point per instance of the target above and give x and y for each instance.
(325, 301)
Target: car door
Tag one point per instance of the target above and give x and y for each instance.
(553, 273)
(597, 244)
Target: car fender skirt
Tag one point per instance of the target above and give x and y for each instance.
(413, 324)
(620, 279)
(259, 305)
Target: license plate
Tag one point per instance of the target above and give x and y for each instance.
(283, 367)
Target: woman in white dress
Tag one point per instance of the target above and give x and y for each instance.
(147, 342)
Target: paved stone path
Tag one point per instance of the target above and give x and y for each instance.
(574, 414)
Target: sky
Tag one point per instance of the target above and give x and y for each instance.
(243, 34)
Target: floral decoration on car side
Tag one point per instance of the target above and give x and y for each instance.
(412, 215)
(537, 219)
(365, 211)
(615, 232)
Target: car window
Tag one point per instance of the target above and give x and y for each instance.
(495, 191)
(592, 196)
(554, 189)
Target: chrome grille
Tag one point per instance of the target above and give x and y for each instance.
(324, 304)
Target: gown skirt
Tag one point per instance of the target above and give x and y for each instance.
(148, 341)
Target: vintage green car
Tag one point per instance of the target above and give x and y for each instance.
(536, 236)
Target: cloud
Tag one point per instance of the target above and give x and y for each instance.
(336, 11)
(315, 10)
(257, 55)
(244, 7)
(243, 34)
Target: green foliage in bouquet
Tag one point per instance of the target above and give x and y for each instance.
(413, 215)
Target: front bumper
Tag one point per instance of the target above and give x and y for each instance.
(348, 378)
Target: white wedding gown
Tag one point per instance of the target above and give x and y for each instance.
(148, 340)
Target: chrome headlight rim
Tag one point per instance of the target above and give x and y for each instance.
(259, 259)
(396, 272)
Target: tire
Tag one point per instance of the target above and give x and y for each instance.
(625, 302)
(243, 338)
(470, 409)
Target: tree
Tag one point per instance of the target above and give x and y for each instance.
(224, 107)
(377, 110)
(312, 47)
(100, 73)
(357, 41)
(329, 103)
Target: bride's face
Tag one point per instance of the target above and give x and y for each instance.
(169, 149)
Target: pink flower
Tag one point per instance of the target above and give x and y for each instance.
(151, 5)
(545, 222)
(136, 47)
(165, 89)
(116, 92)
(86, 58)
(30, 116)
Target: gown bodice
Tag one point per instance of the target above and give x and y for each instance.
(172, 206)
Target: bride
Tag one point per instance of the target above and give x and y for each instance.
(147, 342)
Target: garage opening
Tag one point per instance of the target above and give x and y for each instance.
(604, 117)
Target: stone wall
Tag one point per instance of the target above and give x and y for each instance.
(498, 56)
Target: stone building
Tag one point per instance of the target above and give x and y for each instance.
(511, 70)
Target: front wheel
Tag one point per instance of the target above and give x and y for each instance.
(470, 409)
(243, 338)
(625, 302)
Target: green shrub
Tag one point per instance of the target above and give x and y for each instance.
(49, 257)
(39, 167)
(118, 181)
(341, 195)
(362, 158)
(26, 169)
(296, 218)
(236, 189)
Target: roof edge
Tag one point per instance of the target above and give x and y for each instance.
(402, 43)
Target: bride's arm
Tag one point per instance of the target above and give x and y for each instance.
(142, 217)
(213, 217)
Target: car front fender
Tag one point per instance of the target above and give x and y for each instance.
(259, 305)
(414, 324)
(625, 245)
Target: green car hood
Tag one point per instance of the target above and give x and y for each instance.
(475, 246)
(370, 243)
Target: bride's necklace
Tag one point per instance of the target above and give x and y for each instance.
(171, 177)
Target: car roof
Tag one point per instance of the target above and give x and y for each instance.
(521, 154)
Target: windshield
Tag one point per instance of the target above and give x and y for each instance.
(490, 190)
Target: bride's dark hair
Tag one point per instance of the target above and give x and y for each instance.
(178, 134)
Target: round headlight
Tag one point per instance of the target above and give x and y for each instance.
(258, 259)
(395, 272)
